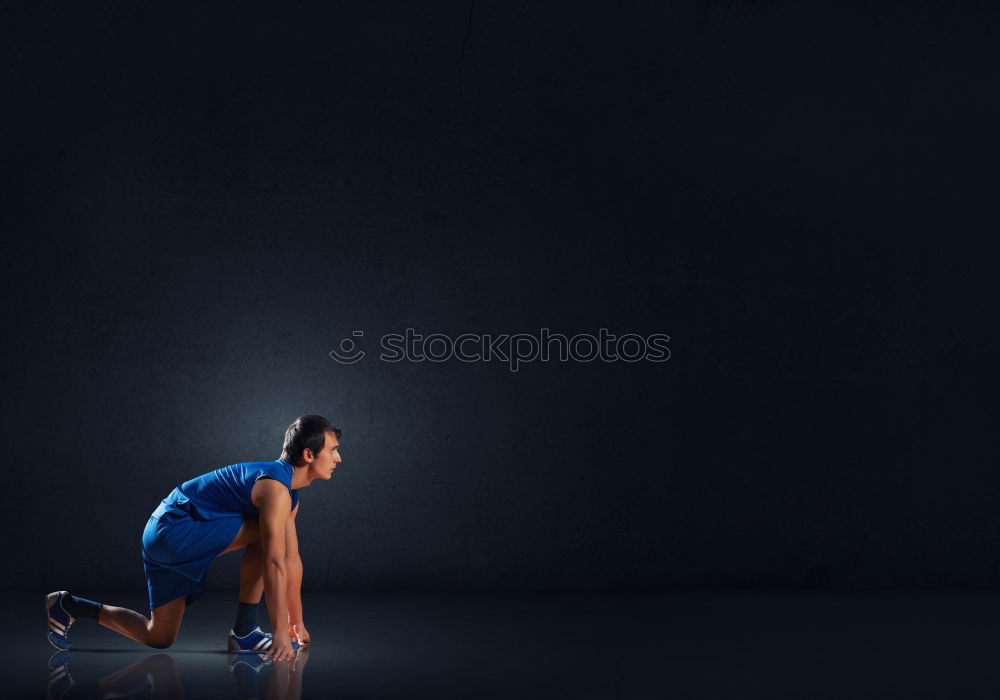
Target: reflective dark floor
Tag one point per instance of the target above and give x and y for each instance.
(683, 645)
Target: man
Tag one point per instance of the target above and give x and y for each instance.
(250, 506)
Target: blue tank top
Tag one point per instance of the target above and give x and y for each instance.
(225, 492)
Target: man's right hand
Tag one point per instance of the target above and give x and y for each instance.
(281, 648)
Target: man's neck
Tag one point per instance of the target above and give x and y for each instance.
(300, 478)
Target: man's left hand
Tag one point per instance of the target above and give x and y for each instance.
(299, 633)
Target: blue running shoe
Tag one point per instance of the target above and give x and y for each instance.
(256, 641)
(59, 620)
(59, 679)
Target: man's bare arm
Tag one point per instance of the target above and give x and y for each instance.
(293, 563)
(274, 502)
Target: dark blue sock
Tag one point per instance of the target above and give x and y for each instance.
(246, 619)
(81, 607)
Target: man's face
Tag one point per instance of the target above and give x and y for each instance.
(327, 459)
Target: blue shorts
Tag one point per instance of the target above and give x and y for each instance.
(177, 551)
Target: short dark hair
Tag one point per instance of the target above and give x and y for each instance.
(307, 431)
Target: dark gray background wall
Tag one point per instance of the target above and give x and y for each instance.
(198, 205)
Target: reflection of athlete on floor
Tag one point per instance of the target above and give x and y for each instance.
(158, 676)
(250, 506)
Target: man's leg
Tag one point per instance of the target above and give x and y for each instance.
(251, 576)
(251, 590)
(159, 632)
(248, 534)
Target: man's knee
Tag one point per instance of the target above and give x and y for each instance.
(163, 628)
(162, 640)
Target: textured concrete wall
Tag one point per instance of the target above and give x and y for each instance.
(198, 208)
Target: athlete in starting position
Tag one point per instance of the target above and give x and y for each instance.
(250, 506)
